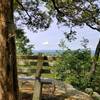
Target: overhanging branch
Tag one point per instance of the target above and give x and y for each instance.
(82, 9)
(24, 9)
(94, 28)
(54, 4)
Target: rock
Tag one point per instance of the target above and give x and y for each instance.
(96, 96)
(70, 93)
(74, 94)
(89, 91)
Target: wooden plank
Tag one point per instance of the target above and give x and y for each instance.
(37, 90)
(28, 63)
(43, 80)
(35, 63)
(46, 71)
(32, 57)
(38, 86)
(45, 64)
(23, 71)
(35, 57)
(45, 58)
(28, 57)
(31, 63)
(39, 66)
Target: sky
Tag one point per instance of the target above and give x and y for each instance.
(49, 39)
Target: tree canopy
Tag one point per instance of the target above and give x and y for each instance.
(38, 14)
(31, 14)
(76, 12)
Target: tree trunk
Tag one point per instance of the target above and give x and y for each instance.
(95, 59)
(12, 47)
(38, 85)
(8, 72)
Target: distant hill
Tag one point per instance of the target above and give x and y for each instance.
(54, 52)
(44, 51)
(49, 52)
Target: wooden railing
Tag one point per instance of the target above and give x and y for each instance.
(38, 61)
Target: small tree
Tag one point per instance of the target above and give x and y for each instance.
(22, 43)
(74, 67)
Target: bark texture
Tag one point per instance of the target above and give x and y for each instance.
(95, 59)
(8, 72)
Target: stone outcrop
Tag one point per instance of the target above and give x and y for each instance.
(96, 96)
(70, 92)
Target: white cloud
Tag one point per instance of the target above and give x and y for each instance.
(45, 43)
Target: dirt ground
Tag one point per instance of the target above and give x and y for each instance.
(49, 92)
(52, 92)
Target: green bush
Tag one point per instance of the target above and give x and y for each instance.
(74, 67)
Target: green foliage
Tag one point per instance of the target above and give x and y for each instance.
(74, 67)
(31, 14)
(22, 46)
(73, 13)
(62, 44)
(38, 14)
(96, 79)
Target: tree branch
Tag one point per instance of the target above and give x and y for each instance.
(24, 9)
(54, 4)
(82, 9)
(93, 27)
